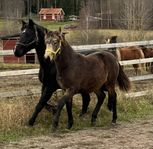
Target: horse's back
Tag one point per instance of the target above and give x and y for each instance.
(130, 53)
(106, 57)
(110, 63)
(94, 70)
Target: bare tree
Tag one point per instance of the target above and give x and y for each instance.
(135, 16)
(12, 10)
(86, 14)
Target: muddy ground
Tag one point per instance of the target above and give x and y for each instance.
(132, 135)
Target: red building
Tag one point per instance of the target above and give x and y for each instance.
(52, 14)
(9, 44)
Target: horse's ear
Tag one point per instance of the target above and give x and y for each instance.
(60, 30)
(46, 31)
(105, 40)
(50, 32)
(23, 23)
(114, 37)
(63, 35)
(31, 23)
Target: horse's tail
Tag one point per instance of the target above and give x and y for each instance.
(118, 54)
(142, 56)
(123, 81)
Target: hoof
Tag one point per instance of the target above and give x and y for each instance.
(69, 125)
(31, 122)
(53, 129)
(113, 121)
(55, 125)
(82, 114)
(93, 122)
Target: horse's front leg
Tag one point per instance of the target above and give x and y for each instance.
(69, 112)
(45, 96)
(66, 99)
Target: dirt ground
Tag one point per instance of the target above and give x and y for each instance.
(132, 135)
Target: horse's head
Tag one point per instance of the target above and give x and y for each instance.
(112, 39)
(28, 38)
(53, 40)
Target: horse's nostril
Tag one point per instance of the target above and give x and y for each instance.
(46, 56)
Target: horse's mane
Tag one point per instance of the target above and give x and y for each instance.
(42, 30)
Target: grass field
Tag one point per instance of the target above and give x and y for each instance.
(10, 66)
(80, 36)
(12, 26)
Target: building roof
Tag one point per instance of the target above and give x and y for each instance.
(51, 11)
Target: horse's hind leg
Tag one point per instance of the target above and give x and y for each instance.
(136, 68)
(112, 99)
(101, 96)
(85, 103)
(45, 96)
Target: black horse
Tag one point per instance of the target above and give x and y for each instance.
(32, 37)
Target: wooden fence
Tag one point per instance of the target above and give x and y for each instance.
(80, 48)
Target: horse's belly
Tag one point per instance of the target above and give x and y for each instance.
(130, 54)
(93, 84)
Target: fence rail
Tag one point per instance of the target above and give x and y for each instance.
(80, 48)
(94, 46)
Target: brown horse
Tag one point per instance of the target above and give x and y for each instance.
(127, 53)
(148, 53)
(96, 73)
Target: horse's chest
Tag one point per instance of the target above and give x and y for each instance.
(62, 79)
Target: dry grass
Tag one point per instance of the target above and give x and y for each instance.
(15, 111)
(79, 37)
(15, 114)
(15, 66)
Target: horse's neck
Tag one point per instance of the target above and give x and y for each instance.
(113, 50)
(40, 47)
(65, 58)
(40, 53)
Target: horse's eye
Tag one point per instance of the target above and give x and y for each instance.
(48, 41)
(55, 42)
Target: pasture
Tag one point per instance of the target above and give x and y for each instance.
(16, 110)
